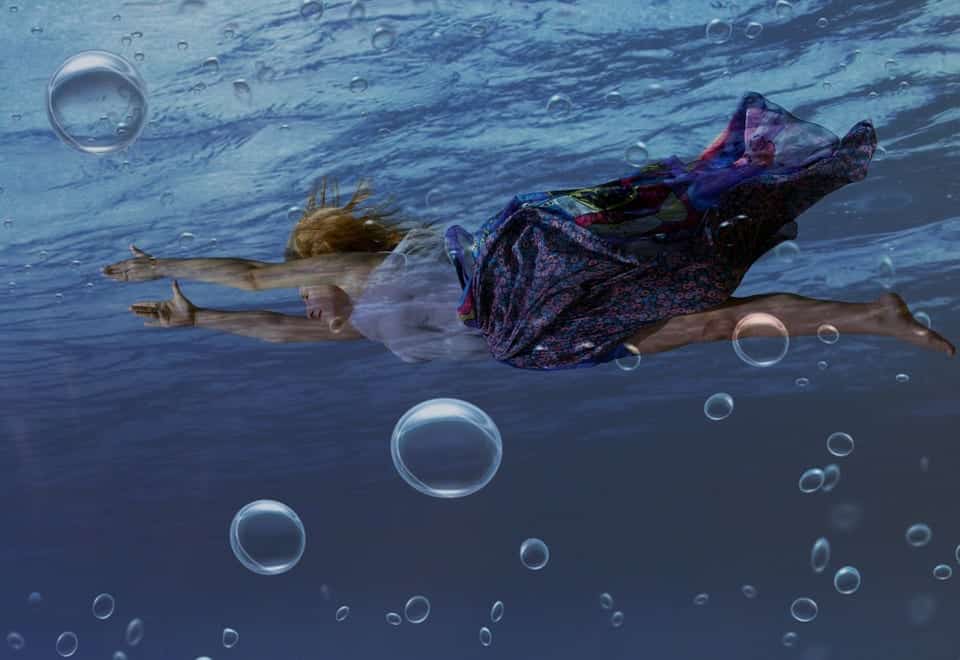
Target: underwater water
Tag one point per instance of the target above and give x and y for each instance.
(658, 526)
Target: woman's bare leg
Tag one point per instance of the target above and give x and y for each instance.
(886, 317)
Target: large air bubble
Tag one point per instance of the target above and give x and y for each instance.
(97, 102)
(446, 448)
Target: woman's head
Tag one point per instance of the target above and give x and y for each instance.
(327, 303)
(327, 227)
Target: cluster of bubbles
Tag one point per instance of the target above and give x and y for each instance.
(67, 642)
(607, 605)
(720, 31)
(97, 100)
(444, 448)
(496, 615)
(825, 479)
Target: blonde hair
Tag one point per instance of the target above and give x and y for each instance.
(325, 228)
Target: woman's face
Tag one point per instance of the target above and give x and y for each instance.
(327, 303)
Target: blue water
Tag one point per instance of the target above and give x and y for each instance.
(127, 450)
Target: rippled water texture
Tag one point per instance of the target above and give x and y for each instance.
(127, 450)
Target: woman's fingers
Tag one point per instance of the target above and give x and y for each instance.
(146, 309)
(137, 252)
(177, 293)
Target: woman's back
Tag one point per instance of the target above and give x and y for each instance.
(410, 304)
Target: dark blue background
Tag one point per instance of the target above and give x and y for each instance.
(125, 451)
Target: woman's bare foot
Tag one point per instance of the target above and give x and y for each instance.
(896, 320)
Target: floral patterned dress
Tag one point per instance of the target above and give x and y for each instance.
(561, 279)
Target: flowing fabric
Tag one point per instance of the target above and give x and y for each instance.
(560, 279)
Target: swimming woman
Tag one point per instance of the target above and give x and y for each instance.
(567, 278)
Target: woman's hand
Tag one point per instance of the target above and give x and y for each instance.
(174, 313)
(142, 268)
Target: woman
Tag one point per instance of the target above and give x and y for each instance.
(566, 278)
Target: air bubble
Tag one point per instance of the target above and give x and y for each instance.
(831, 477)
(718, 406)
(559, 105)
(103, 605)
(770, 340)
(923, 318)
(211, 66)
(67, 644)
(811, 480)
(788, 251)
(534, 554)
(230, 638)
(417, 609)
(383, 38)
(840, 444)
(847, 580)
(446, 448)
(311, 9)
(718, 31)
(828, 334)
(15, 641)
(628, 362)
(804, 610)
(88, 86)
(134, 633)
(241, 90)
(919, 535)
(357, 10)
(267, 537)
(637, 154)
(358, 84)
(615, 99)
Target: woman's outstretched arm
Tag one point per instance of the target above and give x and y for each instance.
(887, 317)
(265, 325)
(247, 274)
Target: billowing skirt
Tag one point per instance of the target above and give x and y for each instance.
(561, 279)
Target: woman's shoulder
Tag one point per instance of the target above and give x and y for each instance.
(422, 243)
